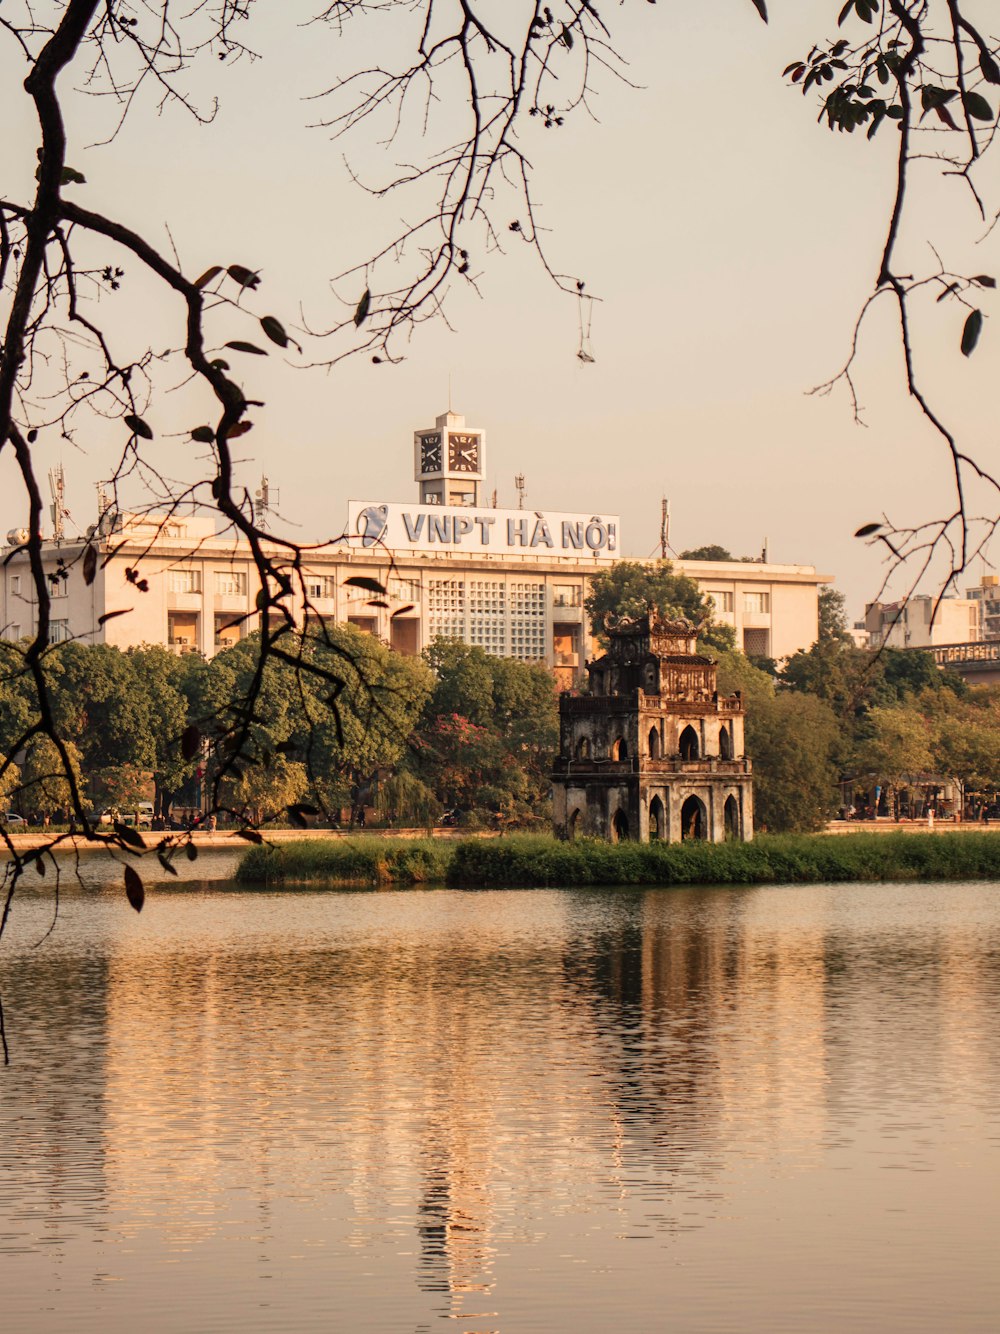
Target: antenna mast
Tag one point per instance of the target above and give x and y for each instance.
(519, 483)
(57, 485)
(664, 527)
(267, 497)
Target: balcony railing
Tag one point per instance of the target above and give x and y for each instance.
(638, 764)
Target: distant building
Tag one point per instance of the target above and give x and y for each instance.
(859, 634)
(774, 609)
(653, 751)
(987, 596)
(922, 622)
(511, 581)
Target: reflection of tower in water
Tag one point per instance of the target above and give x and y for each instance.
(687, 995)
(454, 1213)
(455, 1254)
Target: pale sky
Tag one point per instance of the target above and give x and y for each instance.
(731, 241)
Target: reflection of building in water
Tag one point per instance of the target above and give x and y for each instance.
(169, 1057)
(53, 1157)
(453, 1219)
(691, 987)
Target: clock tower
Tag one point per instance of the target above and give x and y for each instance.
(448, 462)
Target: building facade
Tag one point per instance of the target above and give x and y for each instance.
(652, 751)
(923, 622)
(986, 594)
(510, 581)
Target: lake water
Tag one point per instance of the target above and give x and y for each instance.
(750, 1110)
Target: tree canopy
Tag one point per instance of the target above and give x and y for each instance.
(633, 588)
(706, 553)
(487, 735)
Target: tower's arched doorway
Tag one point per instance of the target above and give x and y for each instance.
(573, 823)
(731, 817)
(619, 827)
(583, 748)
(657, 819)
(694, 819)
(725, 743)
(619, 750)
(689, 747)
(654, 743)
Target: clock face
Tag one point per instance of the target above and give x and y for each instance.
(430, 452)
(463, 452)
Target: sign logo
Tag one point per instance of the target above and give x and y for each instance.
(372, 523)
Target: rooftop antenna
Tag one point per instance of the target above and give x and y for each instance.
(59, 512)
(267, 498)
(763, 553)
(103, 510)
(664, 527)
(519, 483)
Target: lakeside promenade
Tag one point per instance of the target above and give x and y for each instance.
(231, 841)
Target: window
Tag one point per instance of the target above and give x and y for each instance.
(231, 583)
(404, 590)
(757, 643)
(756, 603)
(59, 588)
(13, 634)
(184, 581)
(320, 586)
(487, 615)
(567, 595)
(566, 645)
(352, 591)
(182, 630)
(688, 745)
(404, 635)
(724, 602)
(58, 632)
(226, 633)
(367, 624)
(446, 605)
(527, 621)
(15, 585)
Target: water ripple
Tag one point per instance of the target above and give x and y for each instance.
(766, 1109)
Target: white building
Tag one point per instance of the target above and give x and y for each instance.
(511, 581)
(922, 622)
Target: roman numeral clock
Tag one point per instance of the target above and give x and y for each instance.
(448, 462)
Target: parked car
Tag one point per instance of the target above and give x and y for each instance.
(144, 809)
(12, 818)
(127, 818)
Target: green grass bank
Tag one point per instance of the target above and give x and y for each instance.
(537, 861)
(348, 861)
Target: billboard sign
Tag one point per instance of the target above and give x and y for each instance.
(402, 527)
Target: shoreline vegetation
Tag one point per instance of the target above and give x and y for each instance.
(529, 861)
